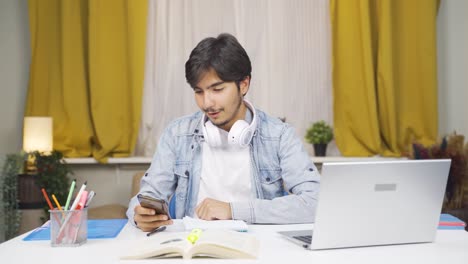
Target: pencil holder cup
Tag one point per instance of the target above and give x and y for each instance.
(68, 228)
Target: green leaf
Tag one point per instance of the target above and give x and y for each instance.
(319, 133)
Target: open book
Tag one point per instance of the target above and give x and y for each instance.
(211, 243)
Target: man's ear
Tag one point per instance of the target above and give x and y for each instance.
(244, 85)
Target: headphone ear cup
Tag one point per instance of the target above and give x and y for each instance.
(212, 135)
(237, 133)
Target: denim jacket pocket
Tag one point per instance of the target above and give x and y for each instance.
(182, 172)
(272, 183)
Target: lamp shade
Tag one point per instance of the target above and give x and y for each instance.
(37, 134)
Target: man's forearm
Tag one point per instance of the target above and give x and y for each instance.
(289, 209)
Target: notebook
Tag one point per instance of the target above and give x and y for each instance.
(236, 225)
(376, 203)
(450, 222)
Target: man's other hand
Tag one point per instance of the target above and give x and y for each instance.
(211, 209)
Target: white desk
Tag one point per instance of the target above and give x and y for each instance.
(451, 247)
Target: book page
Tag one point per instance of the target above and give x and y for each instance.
(162, 245)
(225, 244)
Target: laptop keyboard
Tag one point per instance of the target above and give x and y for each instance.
(305, 239)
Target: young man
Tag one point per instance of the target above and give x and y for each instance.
(229, 160)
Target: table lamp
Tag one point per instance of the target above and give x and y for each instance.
(37, 136)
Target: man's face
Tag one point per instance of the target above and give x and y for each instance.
(221, 101)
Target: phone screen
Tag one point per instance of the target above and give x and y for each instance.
(160, 206)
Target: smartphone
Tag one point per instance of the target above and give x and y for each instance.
(160, 206)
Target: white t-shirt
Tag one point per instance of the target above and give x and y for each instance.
(226, 172)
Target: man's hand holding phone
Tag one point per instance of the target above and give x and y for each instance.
(151, 213)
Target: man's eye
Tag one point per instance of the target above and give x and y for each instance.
(198, 91)
(218, 89)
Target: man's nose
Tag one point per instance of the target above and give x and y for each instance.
(208, 101)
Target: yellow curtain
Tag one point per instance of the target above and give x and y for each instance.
(87, 73)
(384, 75)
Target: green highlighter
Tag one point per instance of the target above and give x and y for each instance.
(72, 188)
(194, 235)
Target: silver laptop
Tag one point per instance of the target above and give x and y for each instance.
(376, 203)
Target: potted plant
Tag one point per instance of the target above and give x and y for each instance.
(52, 175)
(22, 191)
(319, 134)
(10, 215)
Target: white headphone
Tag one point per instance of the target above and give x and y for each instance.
(241, 132)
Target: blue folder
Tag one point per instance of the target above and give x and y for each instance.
(97, 229)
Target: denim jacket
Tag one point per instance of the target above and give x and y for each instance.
(279, 163)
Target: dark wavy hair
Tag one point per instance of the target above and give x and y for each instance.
(223, 54)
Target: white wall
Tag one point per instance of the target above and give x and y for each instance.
(14, 69)
(452, 55)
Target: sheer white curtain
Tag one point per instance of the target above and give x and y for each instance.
(287, 41)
